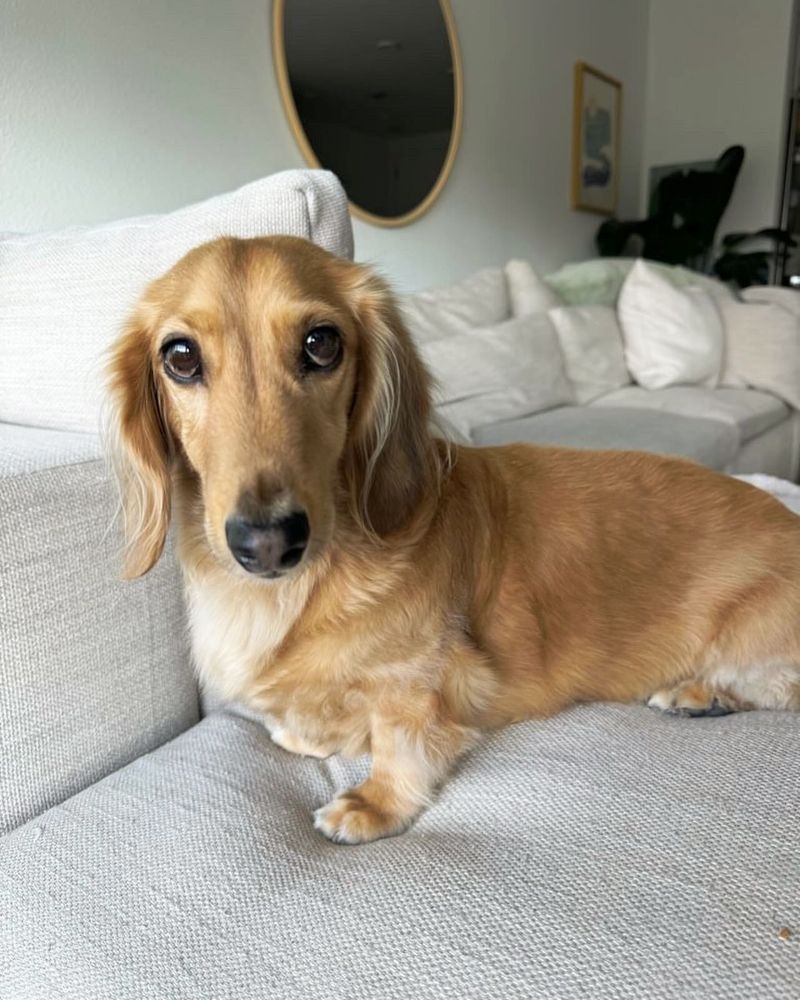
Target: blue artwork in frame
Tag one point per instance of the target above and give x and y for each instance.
(595, 140)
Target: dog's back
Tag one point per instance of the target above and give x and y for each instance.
(611, 575)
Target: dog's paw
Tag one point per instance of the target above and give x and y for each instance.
(693, 699)
(351, 819)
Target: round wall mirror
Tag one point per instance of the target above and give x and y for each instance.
(373, 92)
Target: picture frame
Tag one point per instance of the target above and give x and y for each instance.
(596, 126)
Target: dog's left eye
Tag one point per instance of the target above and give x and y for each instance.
(322, 347)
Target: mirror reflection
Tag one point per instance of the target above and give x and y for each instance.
(373, 83)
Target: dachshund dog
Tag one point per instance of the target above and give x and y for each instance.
(367, 587)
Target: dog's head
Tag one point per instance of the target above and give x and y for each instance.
(278, 383)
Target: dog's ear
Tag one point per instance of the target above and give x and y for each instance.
(139, 447)
(390, 459)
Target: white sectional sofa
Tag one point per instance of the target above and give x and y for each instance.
(149, 853)
(519, 358)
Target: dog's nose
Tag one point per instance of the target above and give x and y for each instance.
(268, 547)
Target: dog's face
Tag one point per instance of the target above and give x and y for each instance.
(280, 381)
(254, 359)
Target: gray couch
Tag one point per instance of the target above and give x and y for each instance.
(731, 430)
(552, 332)
(147, 852)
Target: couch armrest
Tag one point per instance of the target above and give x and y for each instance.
(94, 671)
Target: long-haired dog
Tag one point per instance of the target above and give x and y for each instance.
(366, 587)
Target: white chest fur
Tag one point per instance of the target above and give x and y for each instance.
(236, 629)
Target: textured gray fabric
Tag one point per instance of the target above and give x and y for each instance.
(94, 671)
(749, 410)
(710, 442)
(30, 449)
(606, 853)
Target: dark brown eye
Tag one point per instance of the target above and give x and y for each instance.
(322, 348)
(182, 360)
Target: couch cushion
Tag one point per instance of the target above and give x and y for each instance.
(527, 292)
(750, 411)
(94, 671)
(762, 348)
(707, 441)
(608, 853)
(64, 295)
(598, 281)
(672, 335)
(477, 301)
(787, 298)
(497, 372)
(591, 342)
(775, 452)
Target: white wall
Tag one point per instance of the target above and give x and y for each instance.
(509, 191)
(716, 75)
(115, 108)
(118, 107)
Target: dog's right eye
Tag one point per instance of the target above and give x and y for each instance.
(182, 360)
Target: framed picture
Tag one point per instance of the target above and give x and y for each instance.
(595, 140)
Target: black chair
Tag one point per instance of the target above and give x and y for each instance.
(685, 209)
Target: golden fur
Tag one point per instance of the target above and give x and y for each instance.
(444, 591)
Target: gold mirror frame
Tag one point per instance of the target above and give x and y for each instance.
(282, 73)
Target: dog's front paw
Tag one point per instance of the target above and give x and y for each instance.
(351, 819)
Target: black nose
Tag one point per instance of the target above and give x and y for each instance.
(268, 547)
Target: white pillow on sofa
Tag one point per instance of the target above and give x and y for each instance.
(762, 349)
(479, 300)
(65, 295)
(591, 343)
(526, 290)
(498, 372)
(673, 336)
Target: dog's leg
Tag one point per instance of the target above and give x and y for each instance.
(410, 755)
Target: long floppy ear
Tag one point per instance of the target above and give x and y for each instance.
(139, 447)
(391, 459)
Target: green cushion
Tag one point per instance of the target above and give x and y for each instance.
(598, 281)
